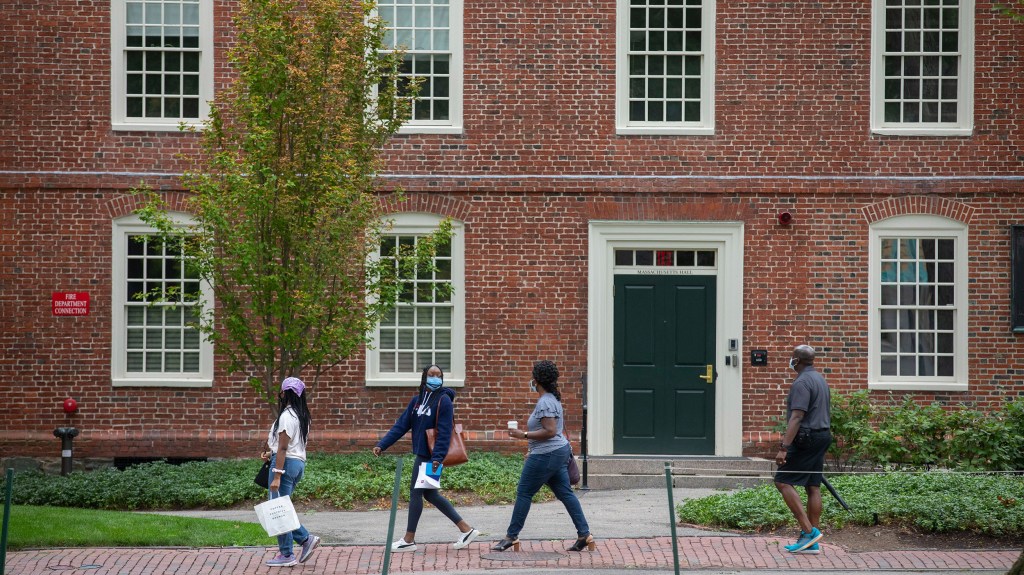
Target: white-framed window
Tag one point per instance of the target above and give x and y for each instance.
(917, 326)
(430, 32)
(428, 325)
(665, 67)
(922, 67)
(155, 343)
(161, 63)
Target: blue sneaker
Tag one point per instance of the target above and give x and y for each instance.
(806, 540)
(283, 561)
(812, 550)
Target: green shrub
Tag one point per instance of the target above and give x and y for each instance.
(339, 480)
(934, 501)
(890, 434)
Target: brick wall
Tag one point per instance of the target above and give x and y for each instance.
(538, 159)
(526, 299)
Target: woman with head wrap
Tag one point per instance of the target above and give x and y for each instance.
(549, 452)
(287, 444)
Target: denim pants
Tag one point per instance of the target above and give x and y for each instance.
(546, 469)
(293, 470)
(416, 497)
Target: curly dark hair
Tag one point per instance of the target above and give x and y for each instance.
(545, 374)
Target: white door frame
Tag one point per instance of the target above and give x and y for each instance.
(603, 238)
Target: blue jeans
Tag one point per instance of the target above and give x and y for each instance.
(546, 469)
(293, 470)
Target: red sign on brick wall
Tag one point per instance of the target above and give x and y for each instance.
(70, 303)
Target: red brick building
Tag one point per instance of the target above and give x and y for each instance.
(617, 171)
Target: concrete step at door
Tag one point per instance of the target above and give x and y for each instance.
(634, 472)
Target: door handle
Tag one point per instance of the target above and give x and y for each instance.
(709, 377)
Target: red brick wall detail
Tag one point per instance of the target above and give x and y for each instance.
(930, 205)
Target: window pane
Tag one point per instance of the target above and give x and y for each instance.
(920, 324)
(134, 362)
(424, 339)
(418, 338)
(443, 316)
(945, 366)
(665, 51)
(889, 365)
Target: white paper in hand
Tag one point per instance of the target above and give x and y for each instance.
(427, 479)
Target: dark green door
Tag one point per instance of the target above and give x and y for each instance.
(664, 351)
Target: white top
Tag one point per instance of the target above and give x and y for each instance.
(289, 422)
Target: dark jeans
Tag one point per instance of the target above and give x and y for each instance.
(546, 469)
(416, 497)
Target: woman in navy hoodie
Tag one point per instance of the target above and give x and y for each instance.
(431, 407)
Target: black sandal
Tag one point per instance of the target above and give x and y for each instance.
(582, 543)
(505, 543)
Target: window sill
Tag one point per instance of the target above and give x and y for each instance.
(934, 132)
(916, 386)
(161, 382)
(664, 131)
(408, 382)
(152, 127)
(408, 129)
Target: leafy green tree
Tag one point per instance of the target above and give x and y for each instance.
(286, 220)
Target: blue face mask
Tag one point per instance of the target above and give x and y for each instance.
(433, 383)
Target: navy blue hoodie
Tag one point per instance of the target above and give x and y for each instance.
(438, 409)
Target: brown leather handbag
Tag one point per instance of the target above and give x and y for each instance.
(457, 454)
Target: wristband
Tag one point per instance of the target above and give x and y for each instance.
(281, 471)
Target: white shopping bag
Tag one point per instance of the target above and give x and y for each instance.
(277, 516)
(428, 479)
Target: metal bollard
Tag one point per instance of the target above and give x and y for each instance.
(583, 433)
(391, 521)
(672, 515)
(66, 434)
(7, 518)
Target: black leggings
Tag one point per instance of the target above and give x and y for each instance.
(416, 497)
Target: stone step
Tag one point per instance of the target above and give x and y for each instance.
(641, 472)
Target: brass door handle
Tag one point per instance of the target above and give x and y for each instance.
(709, 377)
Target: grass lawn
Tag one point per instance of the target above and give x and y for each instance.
(34, 527)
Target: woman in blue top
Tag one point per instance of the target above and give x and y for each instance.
(546, 462)
(431, 407)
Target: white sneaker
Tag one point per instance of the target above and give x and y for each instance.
(467, 538)
(401, 546)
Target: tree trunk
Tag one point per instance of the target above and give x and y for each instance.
(1018, 567)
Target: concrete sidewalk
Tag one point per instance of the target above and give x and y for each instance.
(611, 514)
(631, 527)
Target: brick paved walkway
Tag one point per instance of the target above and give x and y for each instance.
(739, 553)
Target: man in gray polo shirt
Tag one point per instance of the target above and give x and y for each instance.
(801, 456)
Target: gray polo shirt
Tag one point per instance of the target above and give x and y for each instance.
(810, 394)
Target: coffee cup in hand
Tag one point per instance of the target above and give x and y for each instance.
(513, 425)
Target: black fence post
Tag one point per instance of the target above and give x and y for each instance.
(583, 435)
(8, 485)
